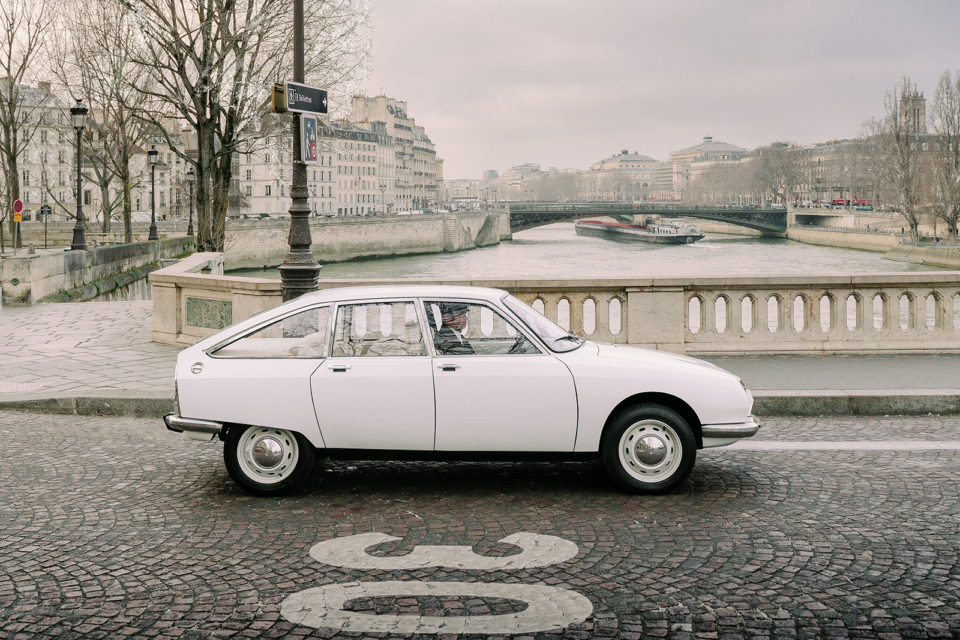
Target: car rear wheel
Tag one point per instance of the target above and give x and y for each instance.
(267, 461)
(649, 448)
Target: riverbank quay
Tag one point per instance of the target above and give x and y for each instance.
(33, 274)
(255, 243)
(98, 358)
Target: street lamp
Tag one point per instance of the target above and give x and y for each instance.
(78, 116)
(300, 271)
(152, 156)
(190, 175)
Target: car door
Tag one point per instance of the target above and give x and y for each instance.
(263, 377)
(501, 392)
(376, 389)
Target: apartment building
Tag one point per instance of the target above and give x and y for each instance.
(418, 173)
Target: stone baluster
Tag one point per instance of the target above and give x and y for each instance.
(734, 316)
(577, 301)
(550, 302)
(891, 314)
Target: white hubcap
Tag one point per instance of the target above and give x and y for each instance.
(267, 455)
(650, 450)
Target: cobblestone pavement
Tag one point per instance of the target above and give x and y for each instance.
(114, 527)
(93, 347)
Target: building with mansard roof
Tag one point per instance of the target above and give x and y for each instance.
(418, 172)
(689, 163)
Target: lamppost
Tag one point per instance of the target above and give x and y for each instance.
(152, 157)
(78, 117)
(300, 270)
(190, 175)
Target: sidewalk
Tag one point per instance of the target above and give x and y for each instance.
(97, 358)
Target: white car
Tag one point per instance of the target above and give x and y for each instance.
(440, 372)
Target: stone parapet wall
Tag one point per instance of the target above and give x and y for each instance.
(826, 313)
(192, 298)
(60, 234)
(28, 277)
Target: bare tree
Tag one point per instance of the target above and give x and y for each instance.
(211, 64)
(946, 158)
(779, 170)
(23, 27)
(94, 55)
(902, 154)
(873, 160)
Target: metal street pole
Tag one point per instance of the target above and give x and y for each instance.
(152, 158)
(300, 270)
(190, 175)
(78, 115)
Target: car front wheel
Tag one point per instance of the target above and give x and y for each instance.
(267, 461)
(649, 448)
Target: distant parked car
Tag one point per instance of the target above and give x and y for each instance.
(445, 372)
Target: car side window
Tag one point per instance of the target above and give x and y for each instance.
(467, 328)
(378, 329)
(302, 335)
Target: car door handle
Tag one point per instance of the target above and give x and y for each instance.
(448, 366)
(339, 367)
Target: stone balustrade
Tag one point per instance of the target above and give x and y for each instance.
(829, 313)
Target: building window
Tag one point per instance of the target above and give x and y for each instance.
(266, 190)
(87, 197)
(249, 191)
(43, 136)
(249, 174)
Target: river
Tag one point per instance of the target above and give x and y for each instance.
(557, 252)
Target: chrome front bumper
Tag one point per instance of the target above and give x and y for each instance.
(717, 435)
(196, 429)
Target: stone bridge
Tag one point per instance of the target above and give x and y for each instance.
(527, 215)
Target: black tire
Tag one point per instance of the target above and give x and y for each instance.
(663, 460)
(283, 461)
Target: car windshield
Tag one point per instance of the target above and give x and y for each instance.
(553, 335)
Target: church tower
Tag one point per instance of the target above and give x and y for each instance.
(913, 111)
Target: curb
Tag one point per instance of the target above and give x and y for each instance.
(858, 402)
(120, 403)
(766, 403)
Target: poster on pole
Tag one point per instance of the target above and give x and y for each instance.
(308, 143)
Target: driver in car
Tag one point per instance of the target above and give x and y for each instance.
(450, 339)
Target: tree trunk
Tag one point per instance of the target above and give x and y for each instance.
(105, 207)
(127, 204)
(205, 237)
(13, 194)
(220, 200)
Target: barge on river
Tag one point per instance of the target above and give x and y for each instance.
(657, 232)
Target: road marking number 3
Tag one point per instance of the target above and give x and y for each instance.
(548, 608)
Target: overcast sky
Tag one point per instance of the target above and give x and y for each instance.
(564, 83)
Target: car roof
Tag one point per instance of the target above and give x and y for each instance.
(402, 290)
